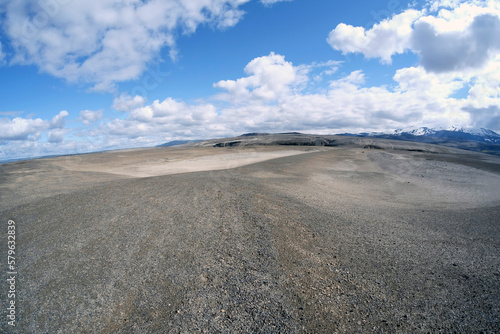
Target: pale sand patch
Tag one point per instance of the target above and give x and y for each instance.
(206, 163)
(167, 162)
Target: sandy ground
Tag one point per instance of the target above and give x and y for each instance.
(255, 239)
(174, 161)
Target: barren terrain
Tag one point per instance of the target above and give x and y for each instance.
(314, 235)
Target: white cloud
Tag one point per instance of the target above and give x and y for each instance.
(466, 5)
(270, 2)
(57, 135)
(22, 128)
(461, 38)
(31, 148)
(352, 81)
(89, 116)
(485, 86)
(488, 117)
(385, 39)
(171, 110)
(319, 70)
(29, 129)
(105, 41)
(59, 121)
(162, 119)
(270, 78)
(459, 50)
(425, 84)
(126, 102)
(2, 55)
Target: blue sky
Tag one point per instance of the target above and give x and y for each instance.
(79, 76)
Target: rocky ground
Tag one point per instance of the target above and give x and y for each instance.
(354, 238)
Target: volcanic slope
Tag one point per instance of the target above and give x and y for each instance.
(347, 235)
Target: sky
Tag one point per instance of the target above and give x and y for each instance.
(82, 76)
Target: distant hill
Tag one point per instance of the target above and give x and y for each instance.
(301, 139)
(177, 142)
(479, 140)
(253, 134)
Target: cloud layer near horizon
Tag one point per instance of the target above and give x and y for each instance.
(458, 48)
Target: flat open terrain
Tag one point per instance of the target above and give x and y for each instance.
(363, 237)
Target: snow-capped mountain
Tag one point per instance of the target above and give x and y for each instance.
(423, 131)
(481, 139)
(473, 131)
(452, 133)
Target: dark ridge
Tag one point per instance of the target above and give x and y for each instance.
(295, 143)
(373, 147)
(324, 142)
(228, 144)
(251, 134)
(415, 150)
(290, 133)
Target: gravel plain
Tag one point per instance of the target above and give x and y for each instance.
(355, 238)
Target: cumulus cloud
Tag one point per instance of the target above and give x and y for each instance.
(126, 102)
(89, 116)
(161, 119)
(385, 39)
(488, 117)
(270, 78)
(57, 135)
(22, 128)
(455, 51)
(59, 121)
(419, 97)
(466, 36)
(425, 84)
(29, 129)
(485, 86)
(105, 41)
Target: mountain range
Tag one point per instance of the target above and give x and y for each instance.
(479, 140)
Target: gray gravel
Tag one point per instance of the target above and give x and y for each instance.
(340, 240)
